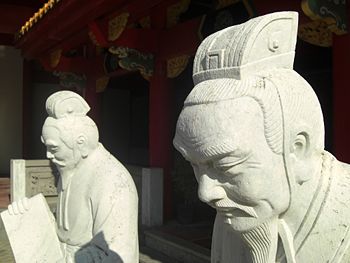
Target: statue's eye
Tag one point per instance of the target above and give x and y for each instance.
(226, 163)
(53, 149)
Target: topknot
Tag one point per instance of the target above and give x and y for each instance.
(66, 103)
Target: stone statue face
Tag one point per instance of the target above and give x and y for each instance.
(64, 157)
(237, 172)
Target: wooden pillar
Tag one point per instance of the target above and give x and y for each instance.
(160, 134)
(341, 97)
(160, 117)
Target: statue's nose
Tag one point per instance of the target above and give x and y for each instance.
(209, 190)
(49, 155)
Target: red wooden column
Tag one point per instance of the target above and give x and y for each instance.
(160, 117)
(341, 97)
(160, 135)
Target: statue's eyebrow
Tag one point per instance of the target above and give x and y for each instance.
(51, 143)
(233, 158)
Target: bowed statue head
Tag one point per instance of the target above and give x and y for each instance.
(68, 133)
(253, 131)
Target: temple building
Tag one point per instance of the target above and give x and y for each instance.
(132, 62)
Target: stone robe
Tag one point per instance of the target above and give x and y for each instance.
(97, 212)
(324, 235)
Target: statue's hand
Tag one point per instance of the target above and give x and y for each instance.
(18, 207)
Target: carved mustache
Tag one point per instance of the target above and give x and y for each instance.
(227, 205)
(59, 163)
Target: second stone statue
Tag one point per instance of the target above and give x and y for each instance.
(97, 208)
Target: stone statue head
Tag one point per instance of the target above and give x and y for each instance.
(68, 134)
(252, 127)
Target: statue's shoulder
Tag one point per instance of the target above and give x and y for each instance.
(330, 231)
(108, 174)
(345, 167)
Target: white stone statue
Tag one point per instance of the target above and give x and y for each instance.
(253, 131)
(98, 204)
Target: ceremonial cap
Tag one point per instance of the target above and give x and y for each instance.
(239, 51)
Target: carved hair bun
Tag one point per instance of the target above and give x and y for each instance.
(66, 103)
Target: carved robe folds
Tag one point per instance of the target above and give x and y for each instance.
(96, 217)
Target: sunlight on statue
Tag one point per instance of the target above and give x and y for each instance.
(97, 208)
(253, 130)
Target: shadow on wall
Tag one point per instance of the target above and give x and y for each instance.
(95, 251)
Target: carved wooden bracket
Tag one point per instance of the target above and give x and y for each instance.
(70, 80)
(176, 65)
(117, 25)
(175, 10)
(101, 83)
(329, 16)
(55, 57)
(316, 33)
(331, 12)
(132, 59)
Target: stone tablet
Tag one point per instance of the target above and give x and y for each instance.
(32, 234)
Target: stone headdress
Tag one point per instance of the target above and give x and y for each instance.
(240, 51)
(66, 103)
(67, 109)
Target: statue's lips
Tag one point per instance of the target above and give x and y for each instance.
(234, 212)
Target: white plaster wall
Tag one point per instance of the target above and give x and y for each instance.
(11, 82)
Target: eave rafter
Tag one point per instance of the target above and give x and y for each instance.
(144, 28)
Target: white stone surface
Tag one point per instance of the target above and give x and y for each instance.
(32, 234)
(97, 200)
(18, 182)
(253, 131)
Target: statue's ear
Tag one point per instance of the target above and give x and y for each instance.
(82, 145)
(300, 154)
(300, 145)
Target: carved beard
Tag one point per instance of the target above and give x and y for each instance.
(262, 242)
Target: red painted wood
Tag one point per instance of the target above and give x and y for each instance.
(181, 39)
(160, 118)
(269, 6)
(66, 18)
(341, 95)
(77, 65)
(12, 17)
(144, 40)
(70, 17)
(99, 34)
(160, 130)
